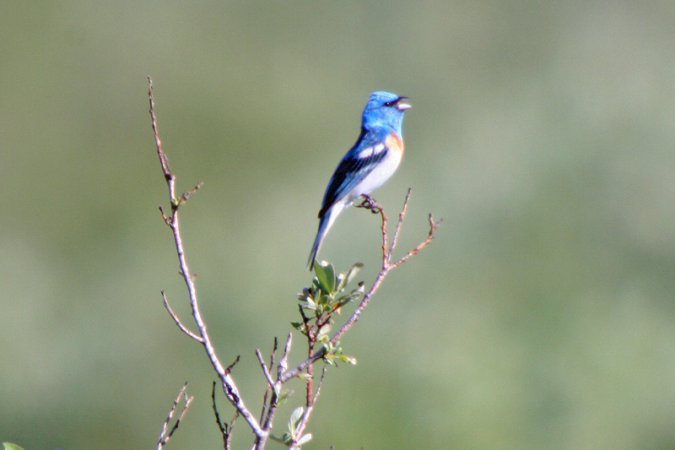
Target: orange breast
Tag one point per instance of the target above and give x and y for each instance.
(395, 143)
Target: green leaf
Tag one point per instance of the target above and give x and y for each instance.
(309, 303)
(284, 439)
(10, 446)
(348, 359)
(325, 274)
(305, 439)
(352, 272)
(283, 395)
(322, 336)
(294, 421)
(356, 294)
(346, 277)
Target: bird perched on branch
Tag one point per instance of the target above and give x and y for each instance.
(370, 162)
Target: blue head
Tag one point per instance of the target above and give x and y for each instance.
(385, 109)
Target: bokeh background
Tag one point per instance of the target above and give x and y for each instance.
(542, 132)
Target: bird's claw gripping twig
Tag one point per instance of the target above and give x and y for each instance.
(370, 204)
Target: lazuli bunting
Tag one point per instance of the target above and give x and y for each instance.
(370, 162)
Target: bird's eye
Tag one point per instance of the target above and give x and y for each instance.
(391, 103)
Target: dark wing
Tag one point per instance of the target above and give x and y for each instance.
(354, 167)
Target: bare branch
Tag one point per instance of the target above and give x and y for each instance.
(164, 161)
(318, 388)
(283, 364)
(310, 407)
(433, 226)
(229, 386)
(399, 224)
(222, 427)
(225, 429)
(175, 318)
(261, 441)
(166, 434)
(264, 368)
(229, 368)
(274, 352)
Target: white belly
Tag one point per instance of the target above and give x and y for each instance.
(378, 176)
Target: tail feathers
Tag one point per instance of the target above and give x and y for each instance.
(325, 223)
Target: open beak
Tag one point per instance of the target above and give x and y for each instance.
(402, 104)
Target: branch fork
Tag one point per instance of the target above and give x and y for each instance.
(388, 265)
(201, 336)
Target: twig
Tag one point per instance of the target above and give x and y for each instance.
(283, 364)
(263, 366)
(175, 318)
(225, 428)
(261, 441)
(318, 388)
(310, 407)
(274, 351)
(172, 220)
(166, 434)
(270, 385)
(433, 226)
(387, 267)
(229, 368)
(399, 224)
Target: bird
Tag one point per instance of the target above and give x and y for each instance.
(372, 160)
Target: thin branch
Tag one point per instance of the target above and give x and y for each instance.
(399, 224)
(221, 427)
(225, 428)
(269, 388)
(163, 160)
(310, 407)
(356, 315)
(273, 353)
(229, 368)
(176, 319)
(261, 441)
(309, 387)
(318, 388)
(166, 434)
(263, 409)
(311, 334)
(433, 226)
(229, 386)
(387, 267)
(264, 368)
(283, 364)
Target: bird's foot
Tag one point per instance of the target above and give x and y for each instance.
(370, 204)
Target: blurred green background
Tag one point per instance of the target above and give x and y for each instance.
(542, 132)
